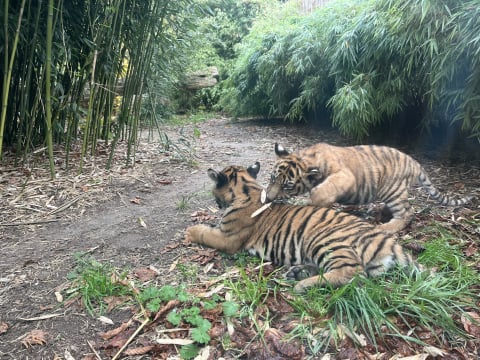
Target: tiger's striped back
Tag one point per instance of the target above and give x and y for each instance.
(338, 245)
(353, 175)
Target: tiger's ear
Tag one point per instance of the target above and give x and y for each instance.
(254, 169)
(280, 150)
(219, 178)
(314, 175)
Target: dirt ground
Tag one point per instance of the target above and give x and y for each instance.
(136, 221)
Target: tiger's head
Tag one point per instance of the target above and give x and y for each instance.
(235, 182)
(291, 176)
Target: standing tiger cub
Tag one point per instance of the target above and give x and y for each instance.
(353, 175)
(320, 245)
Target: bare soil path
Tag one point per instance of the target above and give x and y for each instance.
(131, 222)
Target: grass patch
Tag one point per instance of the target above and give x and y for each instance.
(183, 148)
(191, 118)
(183, 202)
(399, 305)
(94, 281)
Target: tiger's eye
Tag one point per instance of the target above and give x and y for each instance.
(289, 185)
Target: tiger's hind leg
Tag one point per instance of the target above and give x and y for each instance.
(340, 268)
(401, 212)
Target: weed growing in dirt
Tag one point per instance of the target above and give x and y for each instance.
(188, 273)
(444, 250)
(181, 149)
(183, 202)
(251, 290)
(94, 281)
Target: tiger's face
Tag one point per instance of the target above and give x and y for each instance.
(230, 183)
(291, 176)
(285, 181)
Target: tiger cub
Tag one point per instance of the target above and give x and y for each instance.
(330, 247)
(353, 175)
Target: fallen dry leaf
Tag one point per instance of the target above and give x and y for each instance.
(58, 296)
(68, 355)
(358, 339)
(471, 323)
(166, 308)
(139, 350)
(114, 301)
(204, 354)
(3, 327)
(105, 320)
(203, 256)
(278, 305)
(202, 216)
(280, 348)
(169, 247)
(471, 250)
(413, 357)
(114, 332)
(35, 337)
(118, 340)
(145, 274)
(434, 351)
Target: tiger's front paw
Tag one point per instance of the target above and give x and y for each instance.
(300, 288)
(193, 234)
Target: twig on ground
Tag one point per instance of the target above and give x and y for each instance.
(42, 317)
(29, 222)
(65, 206)
(142, 325)
(96, 353)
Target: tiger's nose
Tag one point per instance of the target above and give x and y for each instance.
(271, 193)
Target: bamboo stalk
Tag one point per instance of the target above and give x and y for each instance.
(90, 110)
(48, 84)
(8, 63)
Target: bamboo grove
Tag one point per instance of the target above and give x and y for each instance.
(363, 63)
(64, 63)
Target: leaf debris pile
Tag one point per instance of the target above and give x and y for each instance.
(30, 196)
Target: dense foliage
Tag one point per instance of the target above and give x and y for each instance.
(61, 77)
(217, 33)
(364, 62)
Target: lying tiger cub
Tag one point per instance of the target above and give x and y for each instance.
(329, 246)
(353, 175)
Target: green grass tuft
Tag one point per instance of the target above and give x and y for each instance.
(94, 281)
(400, 304)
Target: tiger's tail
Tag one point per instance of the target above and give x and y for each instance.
(439, 196)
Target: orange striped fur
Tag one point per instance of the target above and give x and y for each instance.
(329, 246)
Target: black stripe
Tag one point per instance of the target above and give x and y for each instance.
(377, 250)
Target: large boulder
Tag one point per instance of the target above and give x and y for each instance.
(201, 79)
